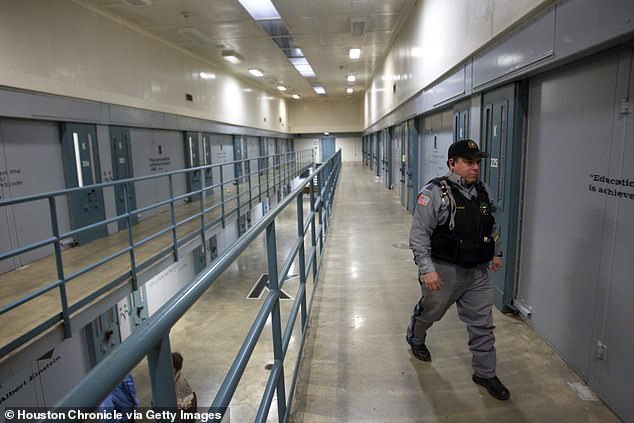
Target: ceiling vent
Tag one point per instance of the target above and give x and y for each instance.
(138, 2)
(195, 35)
(358, 26)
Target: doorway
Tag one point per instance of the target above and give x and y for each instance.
(81, 161)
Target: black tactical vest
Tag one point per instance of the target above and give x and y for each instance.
(470, 242)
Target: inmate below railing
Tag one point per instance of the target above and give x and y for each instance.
(151, 339)
(216, 202)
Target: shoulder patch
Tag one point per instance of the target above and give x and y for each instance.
(423, 200)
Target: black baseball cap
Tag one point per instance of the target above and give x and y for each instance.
(465, 148)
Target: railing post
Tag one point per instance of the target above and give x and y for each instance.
(302, 259)
(250, 193)
(202, 215)
(162, 374)
(173, 218)
(274, 285)
(259, 181)
(60, 266)
(313, 231)
(222, 196)
(126, 202)
(237, 179)
(320, 190)
(274, 181)
(268, 185)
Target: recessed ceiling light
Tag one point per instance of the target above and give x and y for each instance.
(296, 96)
(256, 72)
(349, 90)
(281, 87)
(319, 89)
(260, 9)
(352, 78)
(207, 75)
(231, 57)
(355, 53)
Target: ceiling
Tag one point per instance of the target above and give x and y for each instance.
(324, 30)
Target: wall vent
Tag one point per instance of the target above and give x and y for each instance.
(195, 35)
(358, 26)
(138, 2)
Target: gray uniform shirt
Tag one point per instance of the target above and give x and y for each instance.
(430, 212)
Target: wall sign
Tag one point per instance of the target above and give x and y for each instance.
(160, 164)
(613, 187)
(11, 178)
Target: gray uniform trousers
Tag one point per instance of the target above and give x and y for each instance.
(471, 290)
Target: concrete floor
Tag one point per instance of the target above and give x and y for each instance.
(356, 365)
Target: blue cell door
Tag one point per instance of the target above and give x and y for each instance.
(501, 137)
(125, 197)
(192, 159)
(460, 125)
(327, 145)
(81, 161)
(206, 161)
(411, 175)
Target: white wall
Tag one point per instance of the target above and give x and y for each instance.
(166, 284)
(45, 381)
(60, 47)
(438, 35)
(332, 115)
(350, 147)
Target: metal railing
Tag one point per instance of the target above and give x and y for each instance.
(151, 339)
(204, 208)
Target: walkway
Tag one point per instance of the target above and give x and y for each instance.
(357, 366)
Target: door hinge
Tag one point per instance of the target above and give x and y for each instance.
(602, 350)
(626, 106)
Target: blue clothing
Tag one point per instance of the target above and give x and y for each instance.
(123, 400)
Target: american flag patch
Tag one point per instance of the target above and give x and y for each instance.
(423, 200)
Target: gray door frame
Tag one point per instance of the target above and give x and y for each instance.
(503, 111)
(85, 206)
(192, 159)
(121, 153)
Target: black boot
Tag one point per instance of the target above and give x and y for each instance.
(494, 386)
(421, 352)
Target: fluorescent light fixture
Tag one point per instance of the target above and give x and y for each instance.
(352, 78)
(319, 89)
(306, 71)
(302, 66)
(296, 96)
(349, 90)
(207, 75)
(326, 133)
(281, 87)
(260, 10)
(247, 90)
(231, 57)
(256, 72)
(355, 53)
(298, 61)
